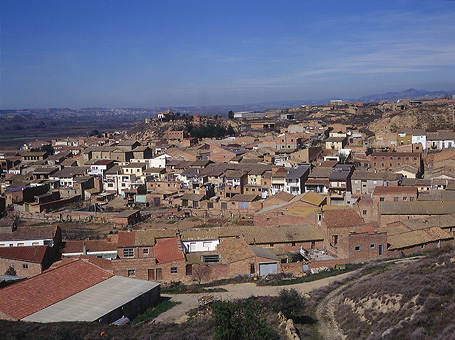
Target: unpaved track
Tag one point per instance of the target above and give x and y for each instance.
(178, 314)
(328, 328)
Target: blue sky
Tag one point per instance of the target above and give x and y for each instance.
(186, 53)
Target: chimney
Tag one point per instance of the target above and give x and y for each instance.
(84, 249)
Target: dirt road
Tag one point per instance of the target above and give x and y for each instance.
(178, 314)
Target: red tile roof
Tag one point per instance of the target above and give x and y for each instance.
(126, 238)
(29, 254)
(234, 249)
(102, 263)
(30, 233)
(167, 250)
(38, 292)
(395, 190)
(90, 245)
(342, 218)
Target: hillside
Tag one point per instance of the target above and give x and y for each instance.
(411, 301)
(429, 117)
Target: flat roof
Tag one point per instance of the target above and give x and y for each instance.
(93, 303)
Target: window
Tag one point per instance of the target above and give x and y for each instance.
(405, 198)
(411, 198)
(357, 248)
(189, 269)
(25, 265)
(131, 272)
(252, 269)
(364, 212)
(173, 270)
(395, 199)
(372, 245)
(293, 244)
(128, 252)
(381, 199)
(145, 251)
(210, 258)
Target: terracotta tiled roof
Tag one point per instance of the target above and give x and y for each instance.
(31, 295)
(90, 245)
(395, 190)
(29, 254)
(126, 238)
(282, 196)
(342, 218)
(167, 251)
(234, 249)
(30, 233)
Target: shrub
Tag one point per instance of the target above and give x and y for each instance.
(289, 302)
(241, 320)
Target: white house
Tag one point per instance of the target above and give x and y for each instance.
(420, 136)
(440, 140)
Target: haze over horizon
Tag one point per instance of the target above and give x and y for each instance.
(209, 53)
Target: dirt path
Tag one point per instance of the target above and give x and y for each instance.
(325, 314)
(178, 314)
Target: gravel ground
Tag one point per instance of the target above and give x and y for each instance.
(178, 314)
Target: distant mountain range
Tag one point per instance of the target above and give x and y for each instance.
(406, 94)
(258, 107)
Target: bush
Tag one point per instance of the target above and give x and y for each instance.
(241, 320)
(289, 302)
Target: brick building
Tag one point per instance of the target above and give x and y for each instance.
(363, 244)
(242, 259)
(26, 261)
(338, 223)
(174, 135)
(389, 161)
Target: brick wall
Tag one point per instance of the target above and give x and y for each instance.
(282, 248)
(23, 268)
(420, 248)
(362, 247)
(326, 263)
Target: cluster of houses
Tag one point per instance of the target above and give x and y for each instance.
(295, 201)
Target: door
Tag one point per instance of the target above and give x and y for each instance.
(380, 251)
(151, 274)
(268, 268)
(159, 274)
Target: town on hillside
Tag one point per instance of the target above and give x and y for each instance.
(198, 198)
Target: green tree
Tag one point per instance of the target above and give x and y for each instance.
(241, 320)
(289, 302)
(230, 131)
(369, 151)
(231, 114)
(327, 132)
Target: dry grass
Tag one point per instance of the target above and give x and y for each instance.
(412, 301)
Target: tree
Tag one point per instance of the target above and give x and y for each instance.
(327, 132)
(231, 114)
(94, 133)
(289, 302)
(241, 320)
(369, 151)
(11, 271)
(230, 130)
(48, 148)
(201, 272)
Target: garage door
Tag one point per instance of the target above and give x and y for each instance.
(267, 268)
